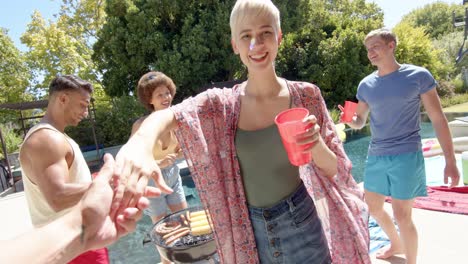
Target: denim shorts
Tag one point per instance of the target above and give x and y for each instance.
(400, 176)
(158, 205)
(290, 231)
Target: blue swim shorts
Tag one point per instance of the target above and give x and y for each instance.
(400, 176)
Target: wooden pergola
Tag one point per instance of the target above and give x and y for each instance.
(40, 104)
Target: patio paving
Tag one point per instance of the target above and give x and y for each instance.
(443, 238)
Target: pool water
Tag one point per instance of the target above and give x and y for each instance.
(130, 249)
(357, 143)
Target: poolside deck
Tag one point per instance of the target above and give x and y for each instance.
(443, 238)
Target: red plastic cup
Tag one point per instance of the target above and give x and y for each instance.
(349, 111)
(290, 124)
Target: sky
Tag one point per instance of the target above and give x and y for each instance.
(16, 14)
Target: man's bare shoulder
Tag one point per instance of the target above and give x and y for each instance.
(46, 141)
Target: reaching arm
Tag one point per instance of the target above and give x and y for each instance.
(135, 160)
(87, 226)
(433, 108)
(166, 161)
(51, 172)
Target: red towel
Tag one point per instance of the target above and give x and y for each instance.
(460, 189)
(98, 256)
(443, 199)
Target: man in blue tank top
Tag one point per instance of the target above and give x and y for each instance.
(395, 164)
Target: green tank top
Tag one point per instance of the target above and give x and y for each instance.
(267, 174)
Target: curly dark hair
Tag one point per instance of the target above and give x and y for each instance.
(148, 83)
(69, 82)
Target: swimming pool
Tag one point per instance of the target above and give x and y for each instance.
(357, 142)
(130, 249)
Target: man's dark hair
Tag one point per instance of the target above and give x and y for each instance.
(69, 82)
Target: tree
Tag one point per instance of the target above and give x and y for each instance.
(187, 40)
(328, 49)
(449, 45)
(436, 18)
(64, 46)
(415, 47)
(14, 73)
(14, 76)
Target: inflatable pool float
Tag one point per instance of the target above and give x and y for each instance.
(431, 146)
(340, 130)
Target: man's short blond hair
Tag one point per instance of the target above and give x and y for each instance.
(385, 34)
(253, 8)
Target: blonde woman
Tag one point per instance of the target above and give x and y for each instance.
(263, 208)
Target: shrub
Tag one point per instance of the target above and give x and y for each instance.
(445, 89)
(113, 123)
(12, 139)
(454, 100)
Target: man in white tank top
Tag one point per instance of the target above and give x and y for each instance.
(55, 173)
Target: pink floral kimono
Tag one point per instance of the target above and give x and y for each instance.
(206, 128)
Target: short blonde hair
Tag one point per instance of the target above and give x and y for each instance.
(253, 8)
(148, 83)
(385, 34)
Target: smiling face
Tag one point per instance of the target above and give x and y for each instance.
(161, 98)
(256, 41)
(255, 33)
(379, 52)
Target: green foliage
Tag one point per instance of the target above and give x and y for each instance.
(188, 40)
(113, 123)
(450, 44)
(454, 100)
(335, 115)
(460, 85)
(12, 139)
(445, 88)
(415, 47)
(436, 21)
(436, 18)
(64, 46)
(328, 50)
(14, 75)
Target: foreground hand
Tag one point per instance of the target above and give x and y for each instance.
(451, 171)
(312, 134)
(134, 168)
(98, 227)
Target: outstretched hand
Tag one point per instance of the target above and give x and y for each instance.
(99, 229)
(133, 170)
